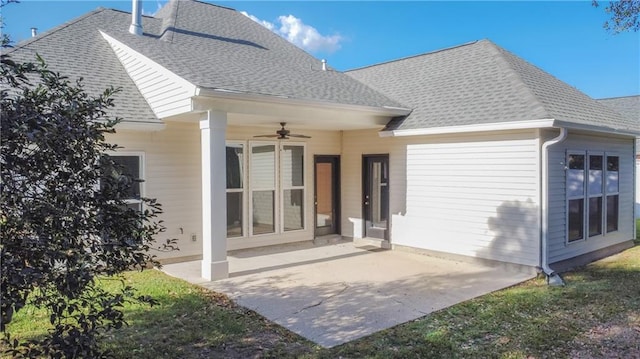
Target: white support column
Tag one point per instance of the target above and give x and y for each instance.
(214, 197)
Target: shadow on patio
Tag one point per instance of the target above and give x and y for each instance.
(337, 293)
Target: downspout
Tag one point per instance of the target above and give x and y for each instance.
(553, 278)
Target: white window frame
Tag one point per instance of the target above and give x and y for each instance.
(586, 196)
(606, 194)
(589, 195)
(279, 189)
(141, 169)
(243, 190)
(303, 187)
(583, 196)
(276, 197)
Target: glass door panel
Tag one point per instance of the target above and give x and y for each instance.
(376, 196)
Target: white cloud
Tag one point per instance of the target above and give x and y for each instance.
(301, 34)
(266, 24)
(159, 5)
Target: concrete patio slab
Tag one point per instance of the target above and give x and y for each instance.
(333, 294)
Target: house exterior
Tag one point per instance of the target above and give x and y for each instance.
(629, 106)
(468, 152)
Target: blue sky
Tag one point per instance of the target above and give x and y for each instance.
(565, 39)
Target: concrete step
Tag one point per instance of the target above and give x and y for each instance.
(370, 242)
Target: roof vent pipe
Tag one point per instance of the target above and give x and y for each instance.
(136, 17)
(34, 31)
(324, 65)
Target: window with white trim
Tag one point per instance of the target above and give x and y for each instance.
(613, 188)
(262, 171)
(235, 189)
(131, 170)
(292, 174)
(592, 194)
(265, 188)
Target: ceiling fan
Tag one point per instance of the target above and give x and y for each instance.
(283, 133)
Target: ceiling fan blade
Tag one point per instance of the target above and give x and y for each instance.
(299, 136)
(266, 136)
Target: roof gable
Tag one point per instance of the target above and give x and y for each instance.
(480, 83)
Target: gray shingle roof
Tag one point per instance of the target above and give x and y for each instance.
(76, 49)
(628, 106)
(219, 48)
(481, 83)
(210, 46)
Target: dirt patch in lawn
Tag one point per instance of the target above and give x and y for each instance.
(613, 339)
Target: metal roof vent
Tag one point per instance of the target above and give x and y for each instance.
(136, 17)
(34, 31)
(324, 65)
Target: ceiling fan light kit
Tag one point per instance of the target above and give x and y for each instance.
(283, 133)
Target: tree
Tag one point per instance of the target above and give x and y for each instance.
(64, 220)
(624, 15)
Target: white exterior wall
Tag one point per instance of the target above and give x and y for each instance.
(172, 175)
(637, 187)
(559, 249)
(470, 194)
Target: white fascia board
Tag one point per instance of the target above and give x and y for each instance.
(140, 126)
(600, 129)
(285, 100)
(500, 126)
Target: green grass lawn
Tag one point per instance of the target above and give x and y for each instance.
(596, 315)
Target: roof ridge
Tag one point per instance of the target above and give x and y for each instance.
(49, 32)
(208, 3)
(417, 55)
(521, 86)
(616, 97)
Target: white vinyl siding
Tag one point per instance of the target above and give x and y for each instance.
(172, 175)
(559, 248)
(474, 194)
(166, 93)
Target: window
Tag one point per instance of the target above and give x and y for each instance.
(235, 190)
(613, 188)
(292, 187)
(575, 196)
(265, 188)
(595, 195)
(130, 174)
(592, 195)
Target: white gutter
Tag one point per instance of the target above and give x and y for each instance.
(502, 126)
(552, 277)
(494, 126)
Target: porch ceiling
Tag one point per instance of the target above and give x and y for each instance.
(317, 116)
